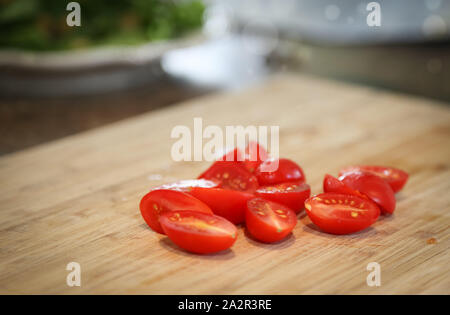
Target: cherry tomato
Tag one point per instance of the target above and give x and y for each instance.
(341, 214)
(198, 232)
(255, 154)
(187, 184)
(334, 185)
(230, 204)
(288, 171)
(268, 221)
(232, 175)
(292, 195)
(159, 201)
(395, 177)
(232, 156)
(373, 186)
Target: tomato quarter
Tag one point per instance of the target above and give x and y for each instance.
(187, 184)
(373, 186)
(232, 156)
(230, 204)
(255, 154)
(199, 232)
(288, 171)
(159, 201)
(341, 214)
(268, 221)
(232, 175)
(292, 195)
(334, 185)
(395, 177)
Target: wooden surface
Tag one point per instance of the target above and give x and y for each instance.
(76, 199)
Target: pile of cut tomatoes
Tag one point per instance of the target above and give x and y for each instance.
(200, 215)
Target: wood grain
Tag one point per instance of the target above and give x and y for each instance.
(76, 199)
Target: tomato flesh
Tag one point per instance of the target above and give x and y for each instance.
(292, 195)
(334, 185)
(395, 177)
(230, 204)
(268, 221)
(157, 202)
(373, 186)
(255, 154)
(341, 214)
(288, 171)
(186, 184)
(199, 232)
(231, 175)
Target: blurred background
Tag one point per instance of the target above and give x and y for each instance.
(132, 56)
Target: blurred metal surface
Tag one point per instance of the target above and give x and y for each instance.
(342, 22)
(85, 72)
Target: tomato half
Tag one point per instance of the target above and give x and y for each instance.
(288, 171)
(373, 186)
(292, 195)
(187, 184)
(334, 185)
(268, 221)
(230, 204)
(255, 154)
(232, 156)
(232, 175)
(395, 177)
(341, 214)
(199, 232)
(159, 201)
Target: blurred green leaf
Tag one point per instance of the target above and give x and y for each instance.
(41, 24)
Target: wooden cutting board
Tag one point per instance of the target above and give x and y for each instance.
(76, 200)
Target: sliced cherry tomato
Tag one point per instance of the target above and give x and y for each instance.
(199, 232)
(232, 156)
(230, 204)
(288, 171)
(255, 154)
(159, 201)
(341, 214)
(232, 175)
(292, 195)
(268, 221)
(373, 187)
(187, 184)
(334, 185)
(395, 177)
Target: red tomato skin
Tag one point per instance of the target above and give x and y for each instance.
(288, 171)
(263, 231)
(196, 241)
(234, 171)
(255, 154)
(186, 184)
(373, 186)
(395, 177)
(232, 156)
(167, 200)
(294, 199)
(331, 223)
(333, 185)
(230, 204)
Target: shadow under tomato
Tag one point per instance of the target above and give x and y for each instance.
(386, 217)
(172, 247)
(400, 196)
(146, 227)
(301, 214)
(284, 243)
